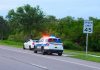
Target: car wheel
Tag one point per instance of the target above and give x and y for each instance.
(30, 48)
(42, 50)
(49, 53)
(24, 47)
(35, 51)
(60, 53)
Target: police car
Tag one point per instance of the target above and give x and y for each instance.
(49, 44)
(29, 44)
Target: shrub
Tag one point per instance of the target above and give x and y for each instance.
(71, 45)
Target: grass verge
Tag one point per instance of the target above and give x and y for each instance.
(11, 43)
(91, 56)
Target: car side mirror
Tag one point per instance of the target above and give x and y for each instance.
(37, 41)
(25, 41)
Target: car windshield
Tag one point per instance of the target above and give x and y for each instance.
(57, 40)
(35, 40)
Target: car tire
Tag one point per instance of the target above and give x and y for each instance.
(24, 47)
(60, 53)
(35, 51)
(49, 53)
(42, 50)
(30, 48)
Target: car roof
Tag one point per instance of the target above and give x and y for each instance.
(35, 40)
(49, 37)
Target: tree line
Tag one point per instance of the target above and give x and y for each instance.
(31, 22)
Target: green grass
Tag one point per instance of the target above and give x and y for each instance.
(75, 54)
(82, 55)
(11, 43)
(89, 58)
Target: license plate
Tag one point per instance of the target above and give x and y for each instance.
(55, 47)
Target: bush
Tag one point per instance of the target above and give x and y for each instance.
(16, 37)
(94, 46)
(72, 46)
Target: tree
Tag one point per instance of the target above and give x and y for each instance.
(25, 18)
(4, 29)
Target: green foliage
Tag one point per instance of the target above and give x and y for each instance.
(71, 45)
(4, 28)
(25, 19)
(95, 38)
(17, 37)
(30, 22)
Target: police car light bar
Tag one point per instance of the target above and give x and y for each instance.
(53, 36)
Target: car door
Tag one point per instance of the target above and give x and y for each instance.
(40, 43)
(26, 44)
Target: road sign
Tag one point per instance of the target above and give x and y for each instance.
(88, 26)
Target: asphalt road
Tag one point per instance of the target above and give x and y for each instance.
(19, 59)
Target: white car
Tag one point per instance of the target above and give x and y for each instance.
(49, 45)
(29, 44)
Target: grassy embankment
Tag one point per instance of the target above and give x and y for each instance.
(75, 54)
(11, 43)
(91, 56)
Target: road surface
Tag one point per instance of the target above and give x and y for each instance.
(19, 59)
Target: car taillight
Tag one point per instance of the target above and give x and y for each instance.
(32, 43)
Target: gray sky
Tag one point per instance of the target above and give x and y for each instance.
(58, 8)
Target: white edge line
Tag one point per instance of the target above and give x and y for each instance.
(93, 55)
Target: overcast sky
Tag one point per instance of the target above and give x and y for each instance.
(58, 8)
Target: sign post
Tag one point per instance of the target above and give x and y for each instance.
(87, 28)
(86, 43)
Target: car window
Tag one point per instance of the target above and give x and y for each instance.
(41, 40)
(35, 40)
(27, 40)
(57, 40)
